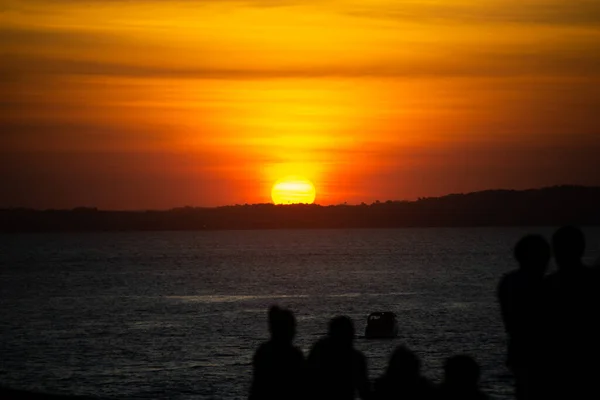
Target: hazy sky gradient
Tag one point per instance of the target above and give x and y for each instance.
(153, 104)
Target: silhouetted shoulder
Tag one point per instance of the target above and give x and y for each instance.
(269, 349)
(279, 359)
(461, 379)
(317, 350)
(571, 284)
(327, 349)
(320, 344)
(278, 371)
(427, 385)
(506, 282)
(387, 388)
(444, 392)
(359, 357)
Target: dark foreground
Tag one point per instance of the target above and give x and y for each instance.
(556, 346)
(9, 394)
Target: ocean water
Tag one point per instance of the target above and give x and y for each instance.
(178, 315)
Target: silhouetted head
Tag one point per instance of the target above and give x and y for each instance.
(404, 364)
(568, 244)
(533, 254)
(461, 371)
(341, 330)
(282, 324)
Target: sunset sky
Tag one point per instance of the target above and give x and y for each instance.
(141, 104)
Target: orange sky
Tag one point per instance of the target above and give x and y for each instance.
(128, 104)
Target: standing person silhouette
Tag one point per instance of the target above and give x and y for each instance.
(571, 319)
(519, 294)
(337, 370)
(403, 379)
(279, 370)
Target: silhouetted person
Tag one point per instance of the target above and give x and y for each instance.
(402, 380)
(279, 370)
(571, 319)
(520, 297)
(337, 370)
(461, 380)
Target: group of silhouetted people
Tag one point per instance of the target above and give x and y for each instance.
(552, 321)
(335, 370)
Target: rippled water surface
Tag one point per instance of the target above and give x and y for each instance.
(178, 315)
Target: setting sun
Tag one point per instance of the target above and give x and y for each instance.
(293, 190)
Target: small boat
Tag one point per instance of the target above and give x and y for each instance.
(381, 325)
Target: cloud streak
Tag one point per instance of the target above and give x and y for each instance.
(557, 64)
(528, 12)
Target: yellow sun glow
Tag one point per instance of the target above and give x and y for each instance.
(293, 190)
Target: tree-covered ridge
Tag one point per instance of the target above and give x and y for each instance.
(554, 206)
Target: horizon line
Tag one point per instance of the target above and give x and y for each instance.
(343, 204)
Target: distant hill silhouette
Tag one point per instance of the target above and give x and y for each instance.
(552, 206)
